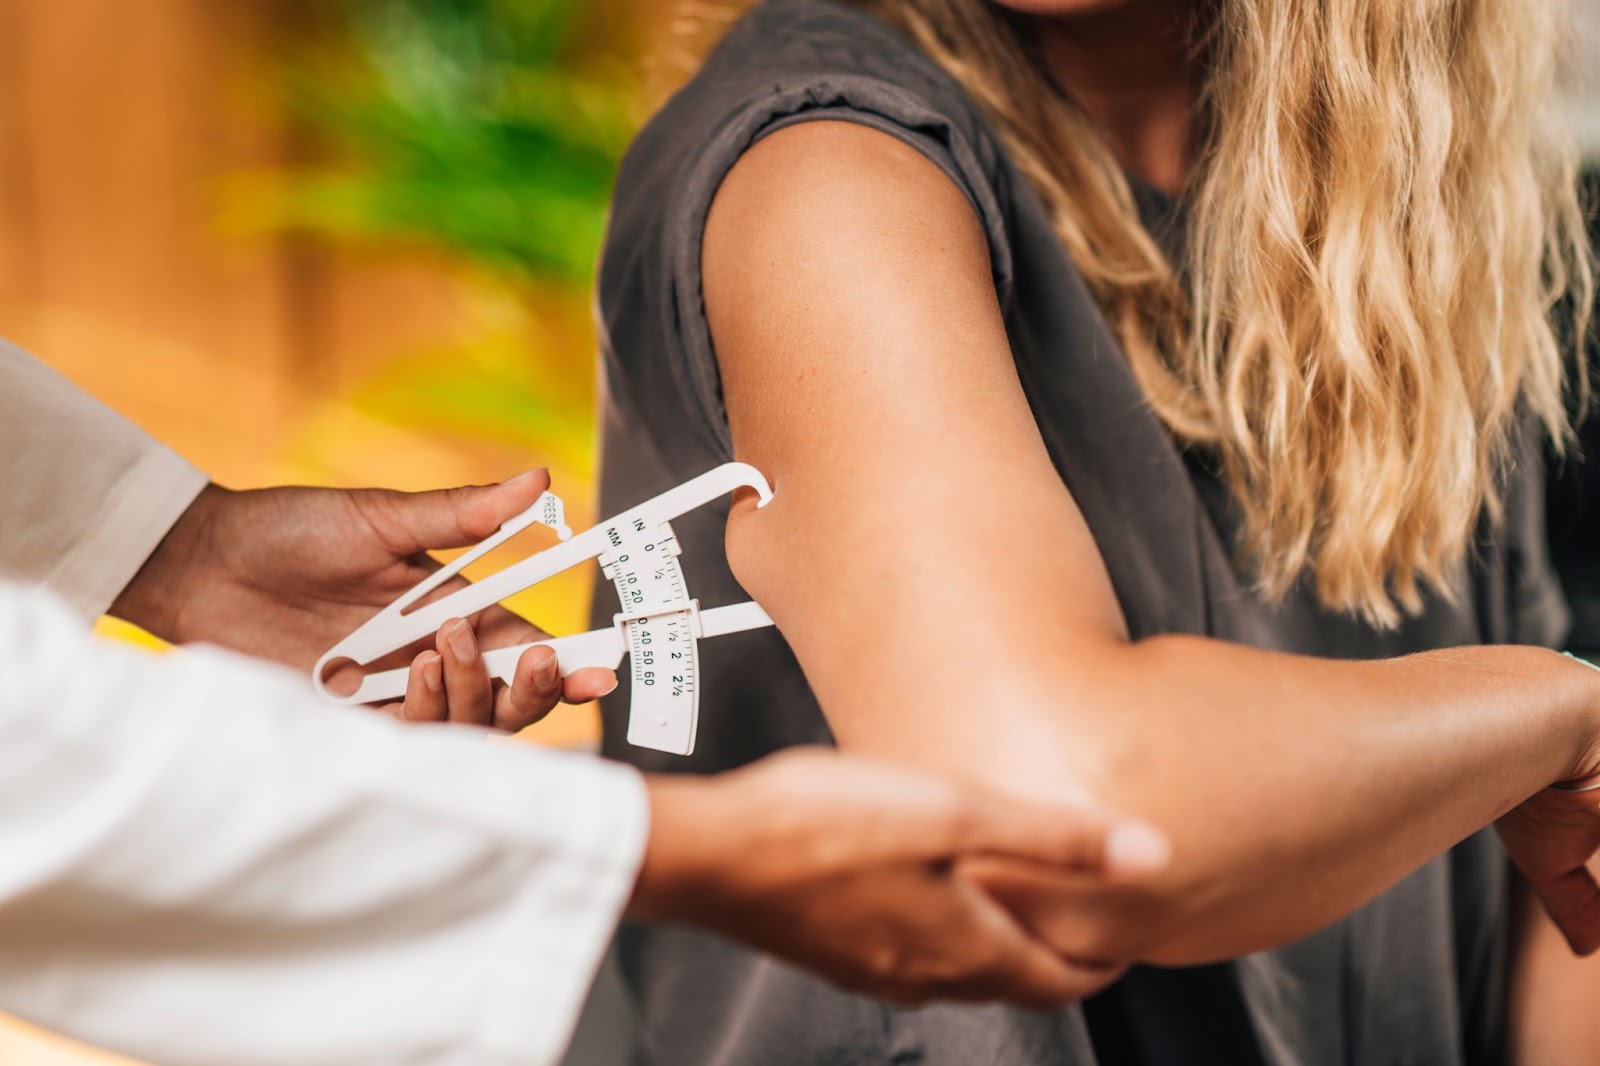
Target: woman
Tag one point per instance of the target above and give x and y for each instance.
(1151, 391)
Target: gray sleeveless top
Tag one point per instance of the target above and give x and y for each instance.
(1415, 977)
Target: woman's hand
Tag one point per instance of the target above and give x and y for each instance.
(1552, 837)
(284, 573)
(853, 869)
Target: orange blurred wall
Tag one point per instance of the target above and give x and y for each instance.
(117, 126)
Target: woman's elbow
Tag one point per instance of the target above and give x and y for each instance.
(1114, 770)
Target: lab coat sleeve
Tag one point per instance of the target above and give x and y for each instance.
(200, 863)
(85, 495)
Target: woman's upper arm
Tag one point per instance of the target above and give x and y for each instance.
(922, 555)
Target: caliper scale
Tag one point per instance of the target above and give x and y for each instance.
(659, 627)
(660, 623)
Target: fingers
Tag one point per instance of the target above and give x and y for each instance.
(1031, 975)
(537, 686)
(452, 684)
(424, 700)
(534, 690)
(1019, 968)
(976, 952)
(1573, 903)
(1062, 837)
(590, 683)
(467, 688)
(410, 523)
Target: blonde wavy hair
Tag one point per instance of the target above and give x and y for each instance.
(1382, 222)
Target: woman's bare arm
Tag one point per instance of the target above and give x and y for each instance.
(948, 603)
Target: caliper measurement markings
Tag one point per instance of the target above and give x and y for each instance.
(643, 565)
(678, 667)
(661, 649)
(657, 613)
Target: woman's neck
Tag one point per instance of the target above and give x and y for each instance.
(1133, 69)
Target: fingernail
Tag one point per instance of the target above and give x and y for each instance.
(613, 687)
(521, 479)
(433, 674)
(459, 636)
(1134, 847)
(546, 673)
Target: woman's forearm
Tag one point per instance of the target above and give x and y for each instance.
(1294, 789)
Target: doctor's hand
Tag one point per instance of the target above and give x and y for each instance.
(853, 869)
(284, 573)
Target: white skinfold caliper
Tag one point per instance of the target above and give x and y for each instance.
(658, 627)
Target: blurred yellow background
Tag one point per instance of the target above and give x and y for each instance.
(322, 242)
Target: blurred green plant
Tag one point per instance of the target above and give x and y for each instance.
(486, 129)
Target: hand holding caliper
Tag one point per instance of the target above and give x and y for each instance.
(282, 573)
(658, 627)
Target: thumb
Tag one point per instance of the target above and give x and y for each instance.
(1065, 837)
(414, 522)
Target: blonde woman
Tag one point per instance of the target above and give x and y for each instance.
(1154, 394)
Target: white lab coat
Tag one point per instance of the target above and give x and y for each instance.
(85, 495)
(202, 864)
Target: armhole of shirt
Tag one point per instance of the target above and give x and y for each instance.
(871, 102)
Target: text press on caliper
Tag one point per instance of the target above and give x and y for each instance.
(658, 628)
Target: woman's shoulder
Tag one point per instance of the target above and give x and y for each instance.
(792, 60)
(785, 62)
